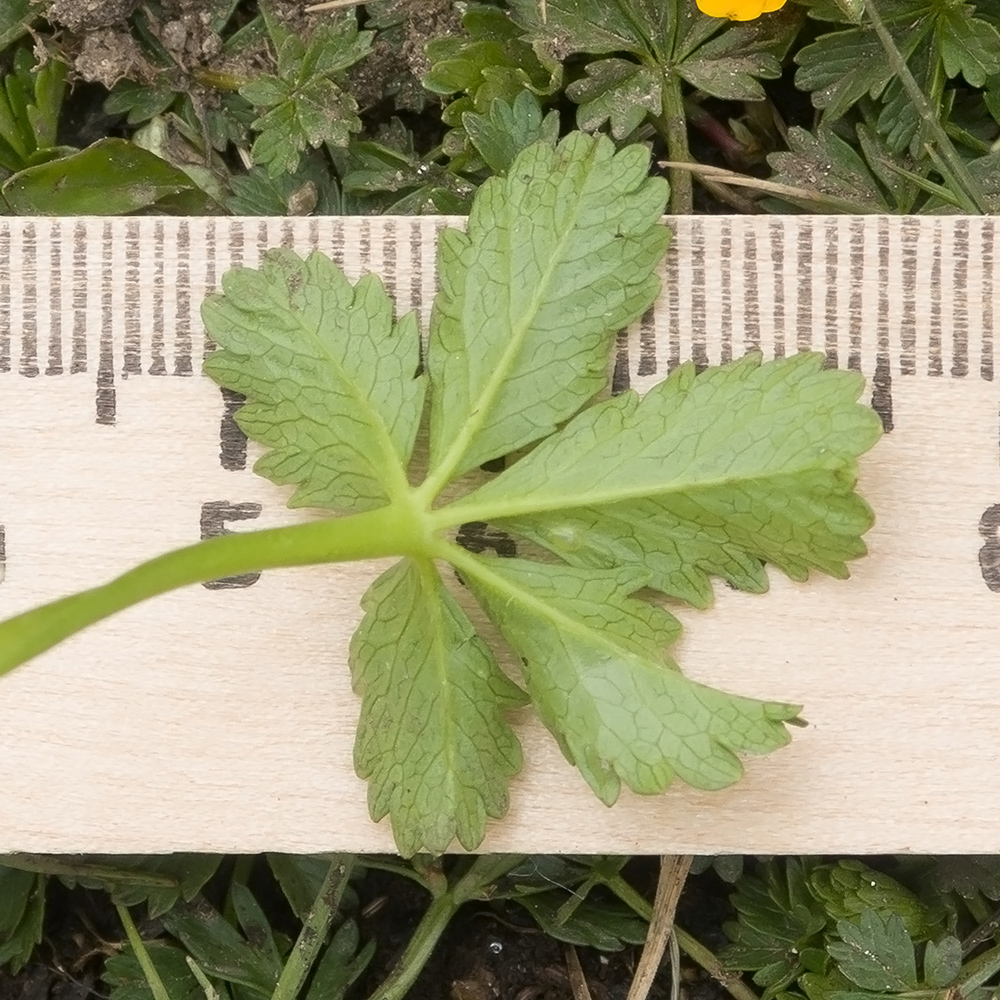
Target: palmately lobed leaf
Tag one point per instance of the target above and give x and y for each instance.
(432, 738)
(558, 256)
(711, 474)
(601, 682)
(329, 376)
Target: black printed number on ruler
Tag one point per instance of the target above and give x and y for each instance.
(989, 554)
(214, 516)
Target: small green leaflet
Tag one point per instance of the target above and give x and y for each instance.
(711, 474)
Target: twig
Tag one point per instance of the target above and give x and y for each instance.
(674, 869)
(577, 980)
(332, 5)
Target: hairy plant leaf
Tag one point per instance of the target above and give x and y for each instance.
(942, 961)
(509, 128)
(331, 378)
(705, 475)
(876, 954)
(607, 926)
(124, 974)
(307, 106)
(600, 681)
(850, 887)
(616, 91)
(432, 738)
(730, 64)
(838, 176)
(779, 926)
(557, 256)
(22, 912)
(220, 950)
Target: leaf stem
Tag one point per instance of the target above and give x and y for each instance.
(672, 126)
(968, 189)
(149, 970)
(485, 870)
(388, 531)
(314, 929)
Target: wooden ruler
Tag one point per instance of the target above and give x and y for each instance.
(221, 718)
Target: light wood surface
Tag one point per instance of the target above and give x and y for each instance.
(222, 720)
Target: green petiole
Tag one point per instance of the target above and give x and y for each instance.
(388, 531)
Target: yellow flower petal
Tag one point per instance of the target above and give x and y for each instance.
(738, 10)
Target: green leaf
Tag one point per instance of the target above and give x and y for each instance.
(837, 176)
(310, 190)
(850, 887)
(307, 105)
(968, 45)
(607, 926)
(341, 965)
(510, 128)
(968, 875)
(600, 681)
(704, 475)
(220, 950)
(123, 973)
(876, 953)
(616, 91)
(729, 65)
(842, 67)
(942, 961)
(15, 18)
(557, 257)
(779, 926)
(111, 177)
(332, 378)
(22, 912)
(438, 758)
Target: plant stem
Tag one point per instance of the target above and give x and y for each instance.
(156, 986)
(485, 870)
(314, 929)
(967, 188)
(691, 946)
(388, 531)
(672, 125)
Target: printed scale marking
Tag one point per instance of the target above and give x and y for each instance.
(119, 299)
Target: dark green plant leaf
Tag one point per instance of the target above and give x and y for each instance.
(112, 177)
(967, 44)
(123, 973)
(730, 64)
(607, 926)
(968, 875)
(778, 933)
(616, 91)
(139, 102)
(22, 912)
(942, 961)
(307, 105)
(342, 963)
(310, 190)
(834, 173)
(220, 950)
(300, 878)
(850, 887)
(876, 953)
(510, 128)
(158, 880)
(15, 18)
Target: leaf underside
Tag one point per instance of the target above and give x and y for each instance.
(711, 474)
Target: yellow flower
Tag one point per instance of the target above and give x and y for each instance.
(738, 10)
